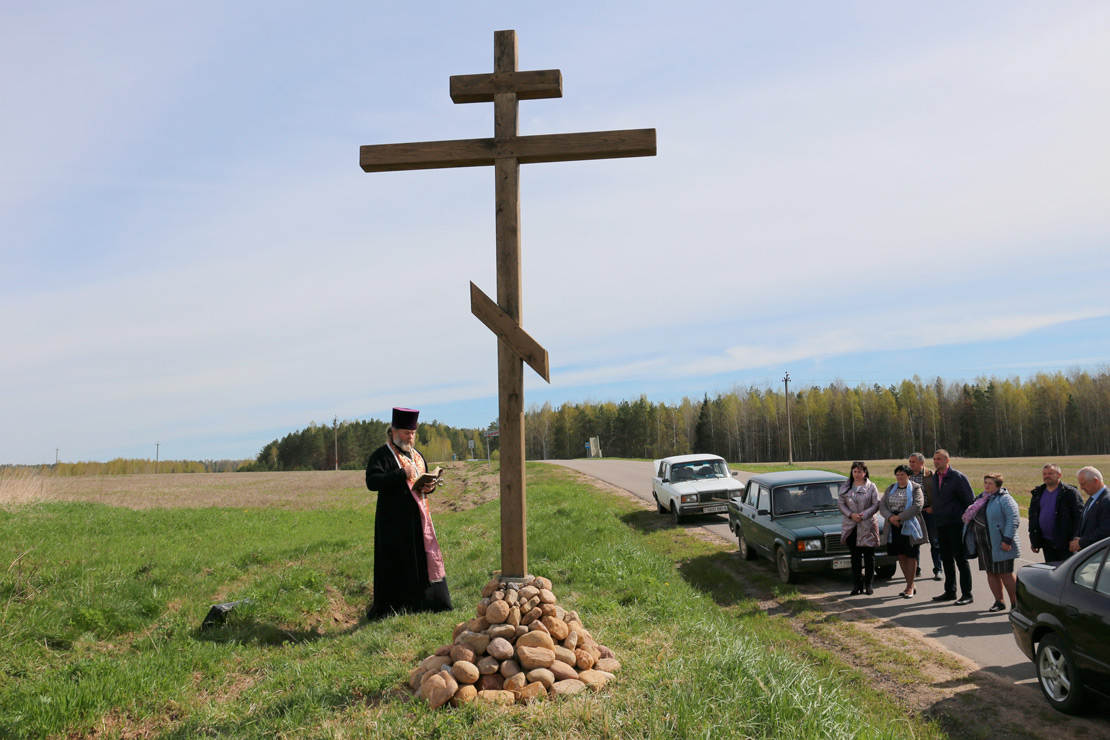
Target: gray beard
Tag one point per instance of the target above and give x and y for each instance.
(403, 446)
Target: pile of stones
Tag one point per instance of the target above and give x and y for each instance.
(522, 646)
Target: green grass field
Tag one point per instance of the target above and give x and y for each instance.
(100, 607)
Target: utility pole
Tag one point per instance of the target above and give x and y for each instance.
(335, 429)
(789, 434)
(157, 455)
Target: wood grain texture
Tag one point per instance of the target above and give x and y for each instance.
(525, 149)
(534, 85)
(510, 332)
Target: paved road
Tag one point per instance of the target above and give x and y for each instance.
(969, 630)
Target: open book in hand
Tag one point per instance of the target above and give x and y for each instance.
(432, 476)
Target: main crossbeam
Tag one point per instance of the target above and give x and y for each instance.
(429, 155)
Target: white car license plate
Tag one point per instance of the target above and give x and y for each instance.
(715, 509)
(842, 563)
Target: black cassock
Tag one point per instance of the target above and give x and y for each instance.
(400, 563)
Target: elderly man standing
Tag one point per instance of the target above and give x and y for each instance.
(1095, 520)
(951, 497)
(408, 564)
(1054, 512)
(923, 477)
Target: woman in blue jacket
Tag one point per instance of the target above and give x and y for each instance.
(990, 529)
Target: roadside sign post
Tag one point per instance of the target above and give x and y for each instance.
(506, 151)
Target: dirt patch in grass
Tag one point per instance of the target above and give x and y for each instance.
(466, 485)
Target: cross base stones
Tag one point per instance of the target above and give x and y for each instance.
(522, 646)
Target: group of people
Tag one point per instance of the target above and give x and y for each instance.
(940, 508)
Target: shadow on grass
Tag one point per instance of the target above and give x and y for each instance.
(247, 630)
(647, 522)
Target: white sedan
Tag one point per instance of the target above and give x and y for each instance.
(685, 485)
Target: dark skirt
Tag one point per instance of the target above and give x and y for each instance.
(983, 546)
(900, 543)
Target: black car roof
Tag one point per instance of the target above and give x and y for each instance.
(796, 477)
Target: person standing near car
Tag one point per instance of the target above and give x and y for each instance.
(1055, 510)
(951, 498)
(1095, 520)
(859, 530)
(990, 527)
(923, 477)
(901, 505)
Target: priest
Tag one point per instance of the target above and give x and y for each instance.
(408, 564)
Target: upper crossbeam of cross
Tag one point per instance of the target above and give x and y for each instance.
(506, 151)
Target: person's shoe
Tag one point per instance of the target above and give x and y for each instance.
(909, 594)
(867, 589)
(936, 574)
(965, 600)
(918, 571)
(945, 597)
(997, 607)
(857, 589)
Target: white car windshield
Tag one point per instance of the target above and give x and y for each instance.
(700, 470)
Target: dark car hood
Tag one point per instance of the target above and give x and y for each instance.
(811, 524)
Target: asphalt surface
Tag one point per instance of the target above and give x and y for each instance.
(970, 631)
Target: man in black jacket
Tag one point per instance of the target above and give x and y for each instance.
(408, 565)
(952, 495)
(1054, 514)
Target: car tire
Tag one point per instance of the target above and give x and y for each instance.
(884, 571)
(746, 551)
(782, 565)
(676, 518)
(658, 505)
(1058, 676)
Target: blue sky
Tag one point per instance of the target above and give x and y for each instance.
(190, 254)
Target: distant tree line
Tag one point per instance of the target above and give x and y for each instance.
(315, 448)
(1047, 414)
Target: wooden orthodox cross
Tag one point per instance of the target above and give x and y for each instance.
(506, 151)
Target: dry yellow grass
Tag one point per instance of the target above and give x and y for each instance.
(25, 486)
(466, 485)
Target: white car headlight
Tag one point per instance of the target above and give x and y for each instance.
(809, 546)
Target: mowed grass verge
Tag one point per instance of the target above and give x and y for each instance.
(99, 609)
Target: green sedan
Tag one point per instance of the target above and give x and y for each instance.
(792, 518)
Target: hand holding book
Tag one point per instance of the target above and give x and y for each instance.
(427, 482)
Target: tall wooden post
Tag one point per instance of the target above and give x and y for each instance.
(506, 151)
(510, 367)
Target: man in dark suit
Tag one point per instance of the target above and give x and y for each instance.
(952, 495)
(1095, 520)
(1054, 512)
